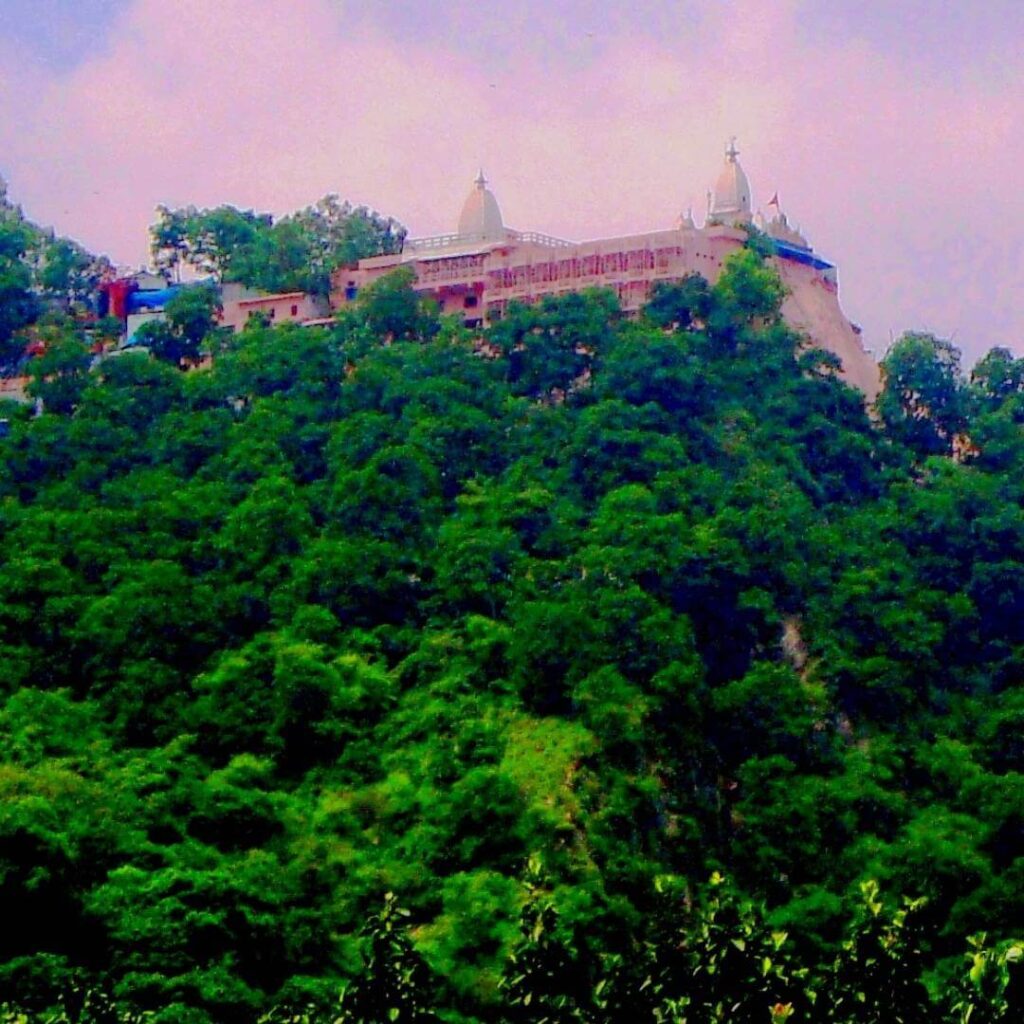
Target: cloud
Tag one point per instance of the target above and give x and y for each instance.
(905, 178)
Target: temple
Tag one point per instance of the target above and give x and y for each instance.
(484, 265)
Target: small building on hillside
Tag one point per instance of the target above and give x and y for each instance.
(149, 280)
(481, 267)
(137, 305)
(239, 304)
(12, 389)
(135, 320)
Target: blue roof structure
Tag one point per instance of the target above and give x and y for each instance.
(797, 254)
(141, 301)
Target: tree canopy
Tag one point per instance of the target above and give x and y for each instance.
(573, 664)
(293, 253)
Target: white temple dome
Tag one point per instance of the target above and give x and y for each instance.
(732, 190)
(481, 216)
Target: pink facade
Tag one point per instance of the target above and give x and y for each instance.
(480, 281)
(12, 389)
(239, 305)
(478, 271)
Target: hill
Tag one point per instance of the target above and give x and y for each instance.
(583, 607)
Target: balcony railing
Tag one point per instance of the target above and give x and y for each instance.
(537, 238)
(431, 243)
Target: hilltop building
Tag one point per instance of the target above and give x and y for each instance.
(138, 298)
(239, 304)
(476, 271)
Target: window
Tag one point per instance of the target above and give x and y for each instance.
(471, 302)
(272, 313)
(295, 310)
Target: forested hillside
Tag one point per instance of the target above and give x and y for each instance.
(612, 649)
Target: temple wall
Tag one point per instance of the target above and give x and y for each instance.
(502, 272)
(812, 308)
(286, 307)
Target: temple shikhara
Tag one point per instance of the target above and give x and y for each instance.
(482, 266)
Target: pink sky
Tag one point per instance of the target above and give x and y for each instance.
(897, 157)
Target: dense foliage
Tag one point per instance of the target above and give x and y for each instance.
(537, 632)
(36, 266)
(294, 253)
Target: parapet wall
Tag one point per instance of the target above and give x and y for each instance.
(479, 279)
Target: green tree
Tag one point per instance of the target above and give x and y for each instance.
(66, 269)
(736, 969)
(877, 976)
(990, 990)
(747, 294)
(922, 403)
(395, 983)
(192, 314)
(298, 252)
(679, 304)
(169, 239)
(548, 975)
(18, 305)
(393, 311)
(551, 347)
(190, 318)
(60, 374)
(996, 378)
(217, 237)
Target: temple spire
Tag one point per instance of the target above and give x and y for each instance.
(481, 217)
(732, 190)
